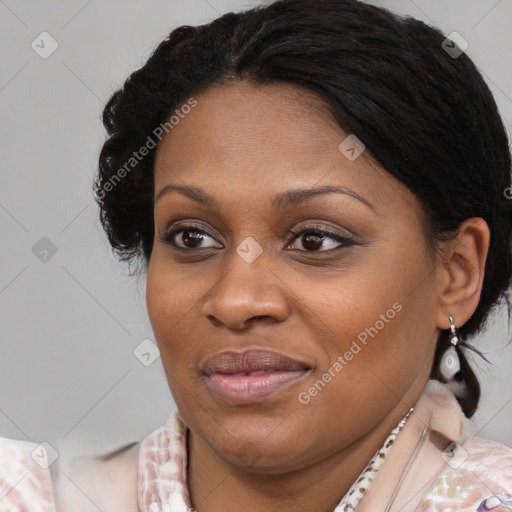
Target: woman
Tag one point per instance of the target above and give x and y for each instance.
(318, 193)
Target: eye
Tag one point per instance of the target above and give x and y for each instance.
(317, 235)
(190, 237)
(193, 239)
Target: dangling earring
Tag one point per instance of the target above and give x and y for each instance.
(450, 363)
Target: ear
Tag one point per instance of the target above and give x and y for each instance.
(462, 272)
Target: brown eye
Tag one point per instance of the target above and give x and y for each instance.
(314, 238)
(186, 237)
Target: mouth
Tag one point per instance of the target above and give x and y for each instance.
(250, 376)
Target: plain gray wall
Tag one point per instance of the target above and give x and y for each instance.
(69, 325)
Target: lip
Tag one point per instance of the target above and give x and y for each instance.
(251, 376)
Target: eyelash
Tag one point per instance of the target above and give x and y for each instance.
(344, 240)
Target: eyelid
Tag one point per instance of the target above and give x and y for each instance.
(323, 229)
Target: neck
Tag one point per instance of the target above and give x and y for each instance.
(216, 486)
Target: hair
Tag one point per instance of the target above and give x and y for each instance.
(425, 116)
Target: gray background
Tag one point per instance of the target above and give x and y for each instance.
(69, 325)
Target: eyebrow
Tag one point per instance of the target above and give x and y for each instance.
(280, 201)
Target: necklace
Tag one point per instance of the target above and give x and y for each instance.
(361, 484)
(421, 441)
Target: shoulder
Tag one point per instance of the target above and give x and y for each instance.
(110, 481)
(107, 482)
(476, 475)
(488, 458)
(25, 478)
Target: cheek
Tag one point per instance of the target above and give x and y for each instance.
(378, 318)
(170, 301)
(171, 290)
(368, 363)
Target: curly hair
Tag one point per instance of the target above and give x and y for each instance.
(425, 115)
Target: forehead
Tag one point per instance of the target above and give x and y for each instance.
(240, 136)
(239, 124)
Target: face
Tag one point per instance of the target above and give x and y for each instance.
(281, 315)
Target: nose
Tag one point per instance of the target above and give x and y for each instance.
(246, 292)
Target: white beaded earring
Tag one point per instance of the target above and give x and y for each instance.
(450, 363)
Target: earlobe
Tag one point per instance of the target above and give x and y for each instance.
(463, 272)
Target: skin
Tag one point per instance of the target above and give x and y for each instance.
(304, 298)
